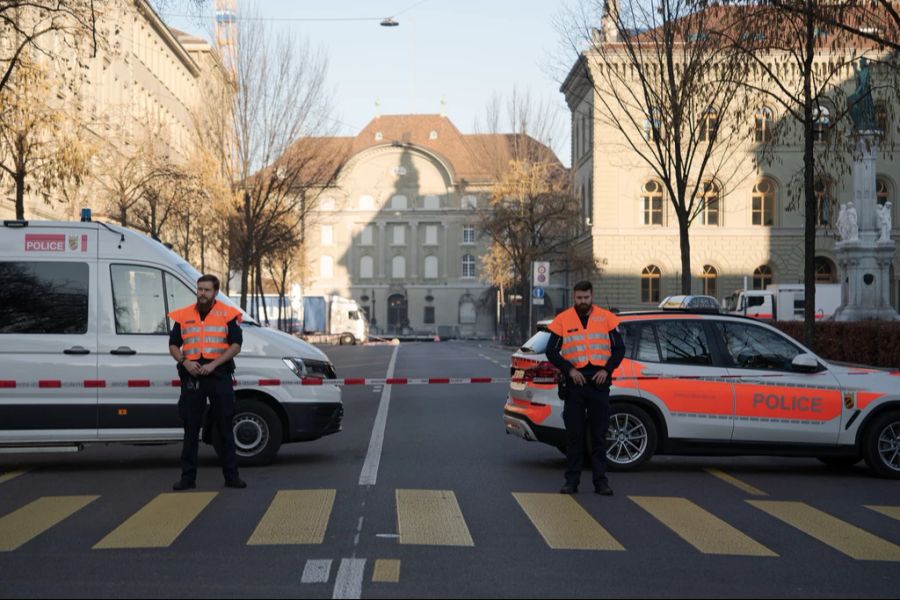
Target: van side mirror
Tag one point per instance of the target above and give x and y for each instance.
(806, 363)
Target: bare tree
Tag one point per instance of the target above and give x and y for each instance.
(532, 210)
(280, 110)
(802, 68)
(877, 21)
(667, 89)
(40, 146)
(26, 26)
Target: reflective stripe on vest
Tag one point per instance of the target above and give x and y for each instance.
(598, 349)
(210, 339)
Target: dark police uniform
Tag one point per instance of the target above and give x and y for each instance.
(589, 398)
(218, 387)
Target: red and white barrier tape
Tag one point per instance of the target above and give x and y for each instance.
(244, 382)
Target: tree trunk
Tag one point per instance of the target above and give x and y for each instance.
(261, 292)
(809, 193)
(246, 250)
(685, 243)
(20, 194)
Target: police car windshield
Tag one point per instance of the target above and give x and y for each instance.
(193, 275)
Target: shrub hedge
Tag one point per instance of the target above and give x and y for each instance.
(873, 343)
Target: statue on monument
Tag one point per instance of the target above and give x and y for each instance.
(862, 106)
(852, 224)
(884, 221)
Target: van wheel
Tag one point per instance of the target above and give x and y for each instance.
(257, 434)
(630, 439)
(347, 339)
(881, 445)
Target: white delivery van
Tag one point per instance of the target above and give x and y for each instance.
(84, 351)
(785, 302)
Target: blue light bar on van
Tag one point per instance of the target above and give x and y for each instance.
(85, 215)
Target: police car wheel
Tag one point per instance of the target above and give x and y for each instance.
(257, 434)
(881, 445)
(630, 439)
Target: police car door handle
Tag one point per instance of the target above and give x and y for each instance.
(124, 351)
(76, 350)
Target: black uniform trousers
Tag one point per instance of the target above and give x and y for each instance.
(591, 400)
(191, 406)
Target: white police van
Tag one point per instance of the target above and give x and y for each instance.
(84, 351)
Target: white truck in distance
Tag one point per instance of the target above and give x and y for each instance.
(334, 316)
(783, 302)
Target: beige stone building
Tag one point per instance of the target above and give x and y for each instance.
(399, 231)
(753, 234)
(146, 74)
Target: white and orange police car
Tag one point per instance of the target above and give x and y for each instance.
(705, 383)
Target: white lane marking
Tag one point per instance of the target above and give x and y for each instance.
(316, 571)
(348, 583)
(369, 473)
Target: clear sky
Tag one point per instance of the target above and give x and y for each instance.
(462, 51)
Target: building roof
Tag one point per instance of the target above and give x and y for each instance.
(466, 153)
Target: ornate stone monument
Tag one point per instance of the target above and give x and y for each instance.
(866, 251)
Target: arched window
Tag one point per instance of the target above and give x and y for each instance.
(650, 284)
(327, 203)
(468, 265)
(710, 277)
(764, 203)
(825, 270)
(882, 192)
(398, 267)
(822, 123)
(709, 126)
(366, 267)
(652, 200)
(824, 202)
(326, 267)
(881, 119)
(431, 267)
(762, 277)
(709, 211)
(762, 127)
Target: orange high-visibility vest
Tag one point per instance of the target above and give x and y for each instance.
(204, 338)
(585, 346)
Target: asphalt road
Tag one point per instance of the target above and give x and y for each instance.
(443, 505)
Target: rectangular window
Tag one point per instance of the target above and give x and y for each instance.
(653, 214)
(431, 235)
(469, 234)
(138, 300)
(367, 236)
(399, 235)
(429, 315)
(44, 297)
(327, 235)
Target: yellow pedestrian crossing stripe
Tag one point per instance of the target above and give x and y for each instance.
(10, 475)
(25, 524)
(386, 571)
(701, 529)
(889, 511)
(295, 517)
(434, 518)
(840, 535)
(159, 523)
(564, 524)
(431, 518)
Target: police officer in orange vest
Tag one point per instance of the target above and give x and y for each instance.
(586, 346)
(204, 341)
